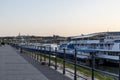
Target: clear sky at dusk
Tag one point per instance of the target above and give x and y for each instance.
(60, 17)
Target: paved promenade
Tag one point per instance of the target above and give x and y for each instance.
(16, 66)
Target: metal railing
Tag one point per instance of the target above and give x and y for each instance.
(41, 51)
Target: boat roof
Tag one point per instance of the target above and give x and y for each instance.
(87, 36)
(108, 57)
(83, 36)
(82, 56)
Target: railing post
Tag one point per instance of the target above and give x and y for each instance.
(64, 58)
(37, 57)
(75, 62)
(41, 54)
(37, 54)
(49, 56)
(93, 64)
(21, 50)
(119, 66)
(44, 53)
(32, 54)
(55, 58)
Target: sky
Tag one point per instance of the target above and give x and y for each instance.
(58, 17)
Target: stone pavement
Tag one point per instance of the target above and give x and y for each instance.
(50, 73)
(15, 67)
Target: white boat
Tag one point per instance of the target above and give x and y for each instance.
(105, 45)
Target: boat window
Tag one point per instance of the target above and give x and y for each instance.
(117, 41)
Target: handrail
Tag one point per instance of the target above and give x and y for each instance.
(64, 54)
